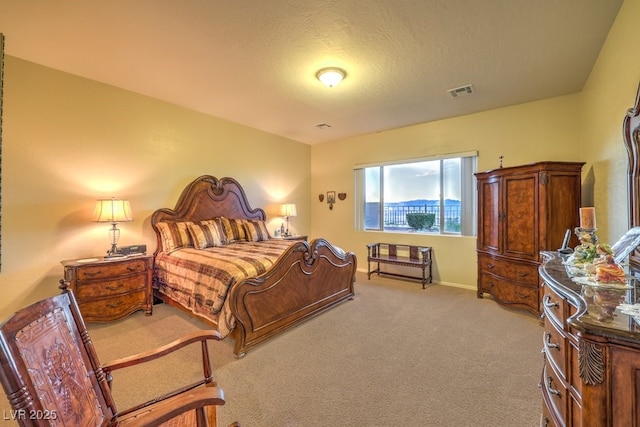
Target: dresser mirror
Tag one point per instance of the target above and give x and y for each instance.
(1, 87)
(631, 132)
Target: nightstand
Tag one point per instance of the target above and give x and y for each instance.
(110, 288)
(294, 237)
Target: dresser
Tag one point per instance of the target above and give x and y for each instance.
(591, 371)
(110, 288)
(523, 210)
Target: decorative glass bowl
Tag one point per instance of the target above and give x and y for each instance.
(603, 299)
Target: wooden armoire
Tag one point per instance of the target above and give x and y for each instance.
(523, 210)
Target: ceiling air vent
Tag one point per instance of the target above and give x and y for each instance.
(462, 90)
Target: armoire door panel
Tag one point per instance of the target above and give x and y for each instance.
(562, 193)
(520, 217)
(489, 215)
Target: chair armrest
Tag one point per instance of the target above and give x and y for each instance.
(426, 253)
(372, 249)
(172, 407)
(135, 359)
(196, 337)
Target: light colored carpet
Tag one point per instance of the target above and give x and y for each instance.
(397, 355)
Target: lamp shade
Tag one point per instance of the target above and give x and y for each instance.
(288, 209)
(112, 210)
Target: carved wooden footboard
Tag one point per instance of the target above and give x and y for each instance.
(308, 279)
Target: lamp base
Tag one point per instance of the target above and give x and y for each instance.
(286, 231)
(113, 252)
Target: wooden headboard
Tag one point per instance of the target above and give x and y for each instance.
(205, 198)
(631, 132)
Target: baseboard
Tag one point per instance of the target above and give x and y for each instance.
(435, 282)
(458, 285)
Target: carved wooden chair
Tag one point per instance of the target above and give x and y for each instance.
(49, 370)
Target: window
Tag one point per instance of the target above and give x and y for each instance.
(429, 195)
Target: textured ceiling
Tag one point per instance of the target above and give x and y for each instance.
(254, 61)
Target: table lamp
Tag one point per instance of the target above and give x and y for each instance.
(114, 211)
(287, 210)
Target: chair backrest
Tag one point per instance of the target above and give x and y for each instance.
(49, 368)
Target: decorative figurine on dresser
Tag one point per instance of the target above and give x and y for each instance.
(523, 210)
(110, 288)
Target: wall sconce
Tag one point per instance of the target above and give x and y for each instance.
(331, 198)
(330, 77)
(287, 210)
(114, 211)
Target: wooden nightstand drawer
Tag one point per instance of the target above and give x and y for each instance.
(111, 287)
(108, 270)
(113, 308)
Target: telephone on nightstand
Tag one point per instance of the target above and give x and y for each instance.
(132, 250)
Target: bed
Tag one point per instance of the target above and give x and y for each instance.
(270, 285)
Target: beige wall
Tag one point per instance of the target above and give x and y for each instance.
(68, 141)
(581, 127)
(544, 130)
(609, 92)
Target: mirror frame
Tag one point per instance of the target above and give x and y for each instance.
(631, 133)
(1, 104)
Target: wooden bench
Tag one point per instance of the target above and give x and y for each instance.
(401, 255)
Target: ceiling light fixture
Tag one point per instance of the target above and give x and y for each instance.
(331, 76)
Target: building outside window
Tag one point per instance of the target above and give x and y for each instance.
(429, 195)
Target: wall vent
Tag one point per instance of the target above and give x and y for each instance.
(462, 90)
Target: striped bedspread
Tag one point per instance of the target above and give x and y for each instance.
(200, 279)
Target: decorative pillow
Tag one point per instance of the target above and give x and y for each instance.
(233, 229)
(218, 225)
(206, 234)
(256, 230)
(174, 235)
